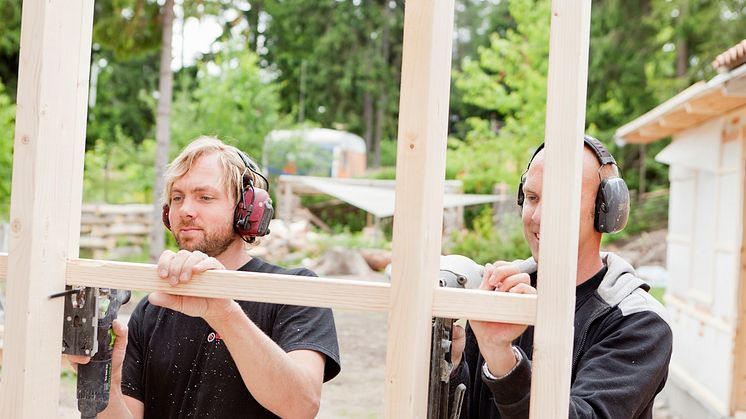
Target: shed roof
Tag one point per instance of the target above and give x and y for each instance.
(697, 104)
(323, 137)
(377, 197)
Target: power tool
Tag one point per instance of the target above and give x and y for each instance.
(456, 271)
(87, 330)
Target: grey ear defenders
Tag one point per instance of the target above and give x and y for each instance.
(612, 198)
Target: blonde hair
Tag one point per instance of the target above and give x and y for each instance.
(231, 163)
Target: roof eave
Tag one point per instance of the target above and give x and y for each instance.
(695, 105)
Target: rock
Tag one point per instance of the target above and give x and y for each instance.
(377, 259)
(341, 261)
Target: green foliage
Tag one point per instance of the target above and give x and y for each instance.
(384, 172)
(350, 240)
(341, 217)
(7, 128)
(119, 172)
(331, 55)
(129, 28)
(388, 153)
(10, 41)
(124, 103)
(230, 100)
(486, 243)
(307, 158)
(508, 79)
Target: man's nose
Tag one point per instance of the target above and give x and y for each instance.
(536, 216)
(187, 208)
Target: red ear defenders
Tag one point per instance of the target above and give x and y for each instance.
(254, 209)
(612, 198)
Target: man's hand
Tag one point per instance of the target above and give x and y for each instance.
(178, 268)
(120, 346)
(458, 343)
(495, 339)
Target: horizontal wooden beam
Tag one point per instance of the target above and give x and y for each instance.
(286, 289)
(484, 305)
(250, 286)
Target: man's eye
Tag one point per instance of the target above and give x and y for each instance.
(176, 199)
(206, 198)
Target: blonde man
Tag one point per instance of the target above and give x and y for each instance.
(209, 357)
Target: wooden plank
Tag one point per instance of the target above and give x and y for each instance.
(656, 130)
(735, 87)
(418, 219)
(681, 119)
(565, 123)
(319, 292)
(45, 203)
(360, 295)
(270, 288)
(484, 305)
(715, 103)
(738, 392)
(664, 109)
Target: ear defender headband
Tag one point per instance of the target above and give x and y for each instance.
(254, 209)
(612, 197)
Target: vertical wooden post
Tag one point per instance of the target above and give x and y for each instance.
(420, 173)
(738, 387)
(565, 123)
(46, 195)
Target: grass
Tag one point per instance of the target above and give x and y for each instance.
(658, 294)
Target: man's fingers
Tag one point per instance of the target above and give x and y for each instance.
(458, 338)
(508, 283)
(192, 260)
(120, 330)
(485, 285)
(163, 299)
(501, 273)
(207, 264)
(177, 265)
(164, 262)
(76, 360)
(523, 288)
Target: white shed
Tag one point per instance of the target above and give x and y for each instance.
(706, 295)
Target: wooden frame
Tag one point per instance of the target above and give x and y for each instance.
(47, 188)
(738, 392)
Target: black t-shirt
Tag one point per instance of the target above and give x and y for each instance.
(179, 367)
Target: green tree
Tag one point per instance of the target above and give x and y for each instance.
(509, 81)
(10, 41)
(119, 171)
(7, 128)
(121, 99)
(338, 63)
(230, 101)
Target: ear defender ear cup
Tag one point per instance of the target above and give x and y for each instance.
(252, 220)
(521, 197)
(612, 197)
(254, 209)
(612, 205)
(164, 216)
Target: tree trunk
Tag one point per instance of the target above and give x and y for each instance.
(682, 58)
(368, 120)
(380, 119)
(162, 130)
(641, 186)
(383, 96)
